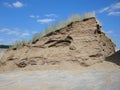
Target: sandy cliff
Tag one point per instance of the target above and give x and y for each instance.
(79, 44)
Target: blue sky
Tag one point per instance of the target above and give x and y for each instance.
(21, 19)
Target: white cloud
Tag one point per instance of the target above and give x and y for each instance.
(14, 31)
(34, 16)
(34, 32)
(13, 34)
(16, 4)
(49, 18)
(9, 31)
(46, 20)
(116, 6)
(112, 9)
(104, 9)
(25, 34)
(7, 4)
(109, 32)
(51, 15)
(114, 13)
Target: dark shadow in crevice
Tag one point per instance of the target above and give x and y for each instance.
(50, 41)
(115, 58)
(61, 43)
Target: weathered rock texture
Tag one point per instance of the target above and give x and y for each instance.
(81, 43)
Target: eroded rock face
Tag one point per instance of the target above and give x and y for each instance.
(78, 43)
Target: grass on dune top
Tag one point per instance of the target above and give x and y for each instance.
(51, 28)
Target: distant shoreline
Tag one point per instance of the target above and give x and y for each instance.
(4, 46)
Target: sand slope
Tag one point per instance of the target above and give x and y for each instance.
(80, 44)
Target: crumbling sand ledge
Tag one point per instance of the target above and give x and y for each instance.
(81, 44)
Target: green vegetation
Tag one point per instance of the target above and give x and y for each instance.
(51, 28)
(4, 46)
(62, 24)
(17, 44)
(36, 37)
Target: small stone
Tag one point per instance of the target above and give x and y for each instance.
(72, 47)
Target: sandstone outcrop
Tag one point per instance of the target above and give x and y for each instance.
(81, 43)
